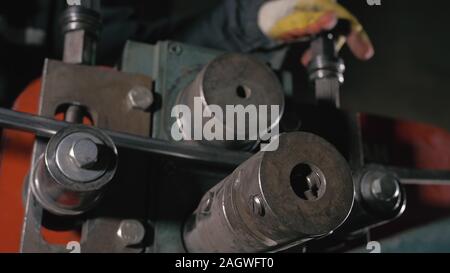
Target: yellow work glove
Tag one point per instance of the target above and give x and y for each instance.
(290, 20)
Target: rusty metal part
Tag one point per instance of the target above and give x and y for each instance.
(63, 187)
(229, 80)
(301, 191)
(104, 235)
(102, 92)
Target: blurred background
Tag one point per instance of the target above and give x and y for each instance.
(409, 75)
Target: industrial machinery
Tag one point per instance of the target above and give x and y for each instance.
(108, 174)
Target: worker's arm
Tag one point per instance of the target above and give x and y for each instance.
(231, 26)
(249, 25)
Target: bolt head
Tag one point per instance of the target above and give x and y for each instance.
(386, 188)
(140, 98)
(84, 153)
(131, 232)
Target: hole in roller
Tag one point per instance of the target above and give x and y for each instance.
(308, 182)
(243, 92)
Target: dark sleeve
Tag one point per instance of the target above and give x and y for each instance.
(231, 26)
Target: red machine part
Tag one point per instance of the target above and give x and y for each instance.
(413, 145)
(15, 148)
(15, 159)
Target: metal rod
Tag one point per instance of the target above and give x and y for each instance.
(46, 127)
(422, 177)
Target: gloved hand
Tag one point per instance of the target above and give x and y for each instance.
(290, 20)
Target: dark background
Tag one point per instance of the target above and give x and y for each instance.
(408, 77)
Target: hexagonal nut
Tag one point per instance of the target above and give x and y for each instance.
(140, 98)
(386, 188)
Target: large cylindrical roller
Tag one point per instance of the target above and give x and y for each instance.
(228, 81)
(301, 191)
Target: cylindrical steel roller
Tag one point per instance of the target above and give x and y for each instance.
(72, 174)
(228, 81)
(301, 191)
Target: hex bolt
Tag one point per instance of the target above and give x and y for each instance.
(175, 49)
(140, 98)
(386, 188)
(257, 206)
(131, 232)
(84, 153)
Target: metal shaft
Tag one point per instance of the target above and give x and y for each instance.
(326, 70)
(81, 24)
(46, 127)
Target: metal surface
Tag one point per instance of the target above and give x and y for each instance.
(84, 153)
(381, 192)
(379, 199)
(106, 235)
(62, 187)
(326, 70)
(102, 94)
(301, 191)
(229, 80)
(141, 98)
(131, 232)
(174, 66)
(81, 28)
(74, 114)
(422, 177)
